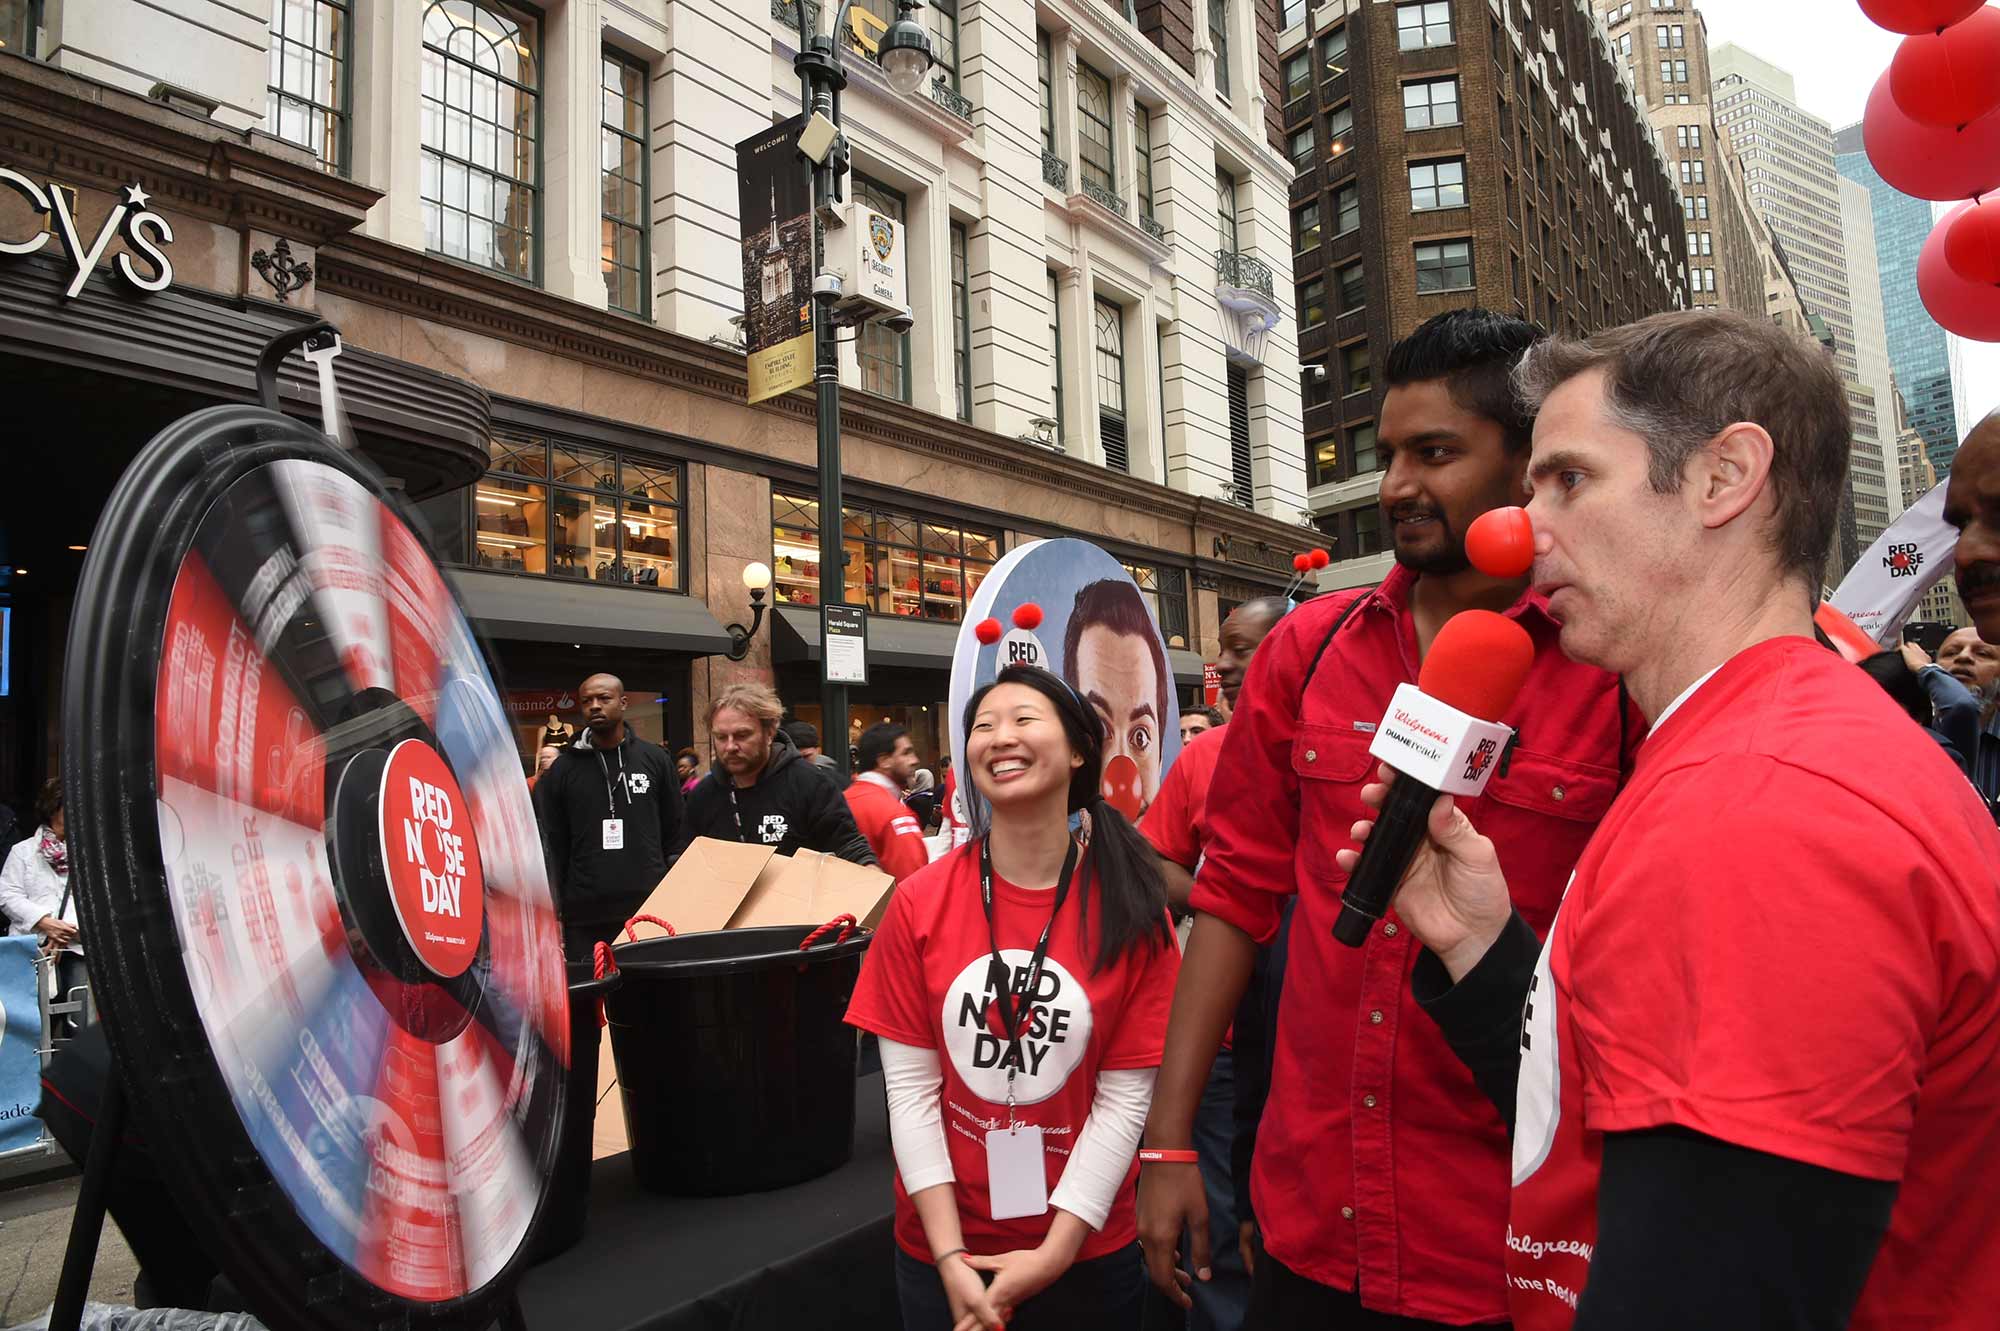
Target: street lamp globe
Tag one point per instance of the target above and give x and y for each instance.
(905, 50)
(757, 576)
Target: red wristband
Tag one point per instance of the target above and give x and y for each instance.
(1152, 1157)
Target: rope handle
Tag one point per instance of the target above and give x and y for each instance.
(603, 963)
(632, 935)
(847, 924)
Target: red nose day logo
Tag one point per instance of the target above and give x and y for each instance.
(1903, 561)
(433, 865)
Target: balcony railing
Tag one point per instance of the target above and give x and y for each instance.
(1244, 273)
(1152, 227)
(1115, 202)
(950, 98)
(1055, 171)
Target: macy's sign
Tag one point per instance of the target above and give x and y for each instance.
(145, 267)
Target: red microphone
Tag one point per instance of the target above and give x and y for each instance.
(1443, 736)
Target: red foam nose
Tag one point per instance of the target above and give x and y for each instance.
(1120, 786)
(1501, 542)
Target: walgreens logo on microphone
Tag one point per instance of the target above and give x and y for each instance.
(1446, 749)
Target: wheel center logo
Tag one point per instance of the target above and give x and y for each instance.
(432, 860)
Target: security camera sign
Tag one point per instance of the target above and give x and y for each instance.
(875, 271)
(431, 858)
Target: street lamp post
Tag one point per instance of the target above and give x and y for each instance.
(905, 54)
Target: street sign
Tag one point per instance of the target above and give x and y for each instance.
(844, 643)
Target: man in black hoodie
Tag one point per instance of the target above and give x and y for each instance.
(761, 790)
(610, 808)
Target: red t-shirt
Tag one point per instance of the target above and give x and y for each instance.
(1786, 936)
(924, 983)
(1177, 821)
(892, 831)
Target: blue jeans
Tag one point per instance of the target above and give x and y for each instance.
(1102, 1294)
(1220, 1303)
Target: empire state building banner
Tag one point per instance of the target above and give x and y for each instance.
(774, 195)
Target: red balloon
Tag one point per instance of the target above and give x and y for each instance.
(1501, 542)
(1027, 615)
(1320, 558)
(1926, 162)
(1950, 78)
(1970, 309)
(987, 631)
(1917, 15)
(1120, 786)
(1972, 243)
(1300, 563)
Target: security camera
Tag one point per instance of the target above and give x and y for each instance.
(828, 286)
(900, 322)
(1315, 374)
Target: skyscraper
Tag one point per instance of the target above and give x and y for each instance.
(1918, 350)
(1871, 356)
(1787, 157)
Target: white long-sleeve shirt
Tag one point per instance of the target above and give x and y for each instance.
(30, 888)
(914, 1080)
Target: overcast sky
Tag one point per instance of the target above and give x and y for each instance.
(1835, 54)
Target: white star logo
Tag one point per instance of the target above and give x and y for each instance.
(136, 196)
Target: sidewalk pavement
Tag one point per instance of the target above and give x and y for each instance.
(34, 1230)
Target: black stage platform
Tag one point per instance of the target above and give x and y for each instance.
(816, 1257)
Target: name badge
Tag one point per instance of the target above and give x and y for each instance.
(614, 834)
(1017, 1178)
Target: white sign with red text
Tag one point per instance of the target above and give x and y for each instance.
(1435, 743)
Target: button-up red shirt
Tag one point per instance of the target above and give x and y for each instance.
(1380, 1165)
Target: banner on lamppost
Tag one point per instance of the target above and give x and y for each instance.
(1880, 592)
(774, 200)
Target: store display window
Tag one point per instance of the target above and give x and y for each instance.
(559, 509)
(897, 563)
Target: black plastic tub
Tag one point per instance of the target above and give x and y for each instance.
(566, 1212)
(735, 1066)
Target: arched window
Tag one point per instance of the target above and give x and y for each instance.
(481, 123)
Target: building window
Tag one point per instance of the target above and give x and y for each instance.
(306, 100)
(625, 195)
(1660, 36)
(1323, 461)
(1298, 75)
(883, 356)
(1351, 283)
(1680, 136)
(1142, 155)
(1225, 211)
(1361, 446)
(1312, 303)
(1110, 322)
(1046, 65)
(481, 123)
(1694, 136)
(1367, 527)
(1333, 52)
(1431, 103)
(1093, 128)
(558, 509)
(1346, 209)
(1437, 185)
(1422, 25)
(1306, 228)
(1701, 207)
(1164, 590)
(1300, 144)
(1291, 12)
(1339, 129)
(961, 322)
(1354, 375)
(897, 563)
(1700, 172)
(1240, 472)
(1218, 37)
(1444, 266)
(941, 22)
(1625, 45)
(1680, 71)
(1056, 355)
(1680, 37)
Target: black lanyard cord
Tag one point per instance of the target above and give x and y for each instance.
(1015, 1020)
(610, 798)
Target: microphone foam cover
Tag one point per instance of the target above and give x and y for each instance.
(1477, 663)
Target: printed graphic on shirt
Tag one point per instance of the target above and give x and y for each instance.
(638, 783)
(904, 825)
(1538, 1096)
(1052, 1045)
(773, 829)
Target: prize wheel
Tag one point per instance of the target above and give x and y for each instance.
(321, 932)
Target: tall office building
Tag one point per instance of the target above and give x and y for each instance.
(1787, 156)
(1664, 50)
(1451, 153)
(1940, 604)
(1871, 358)
(1919, 351)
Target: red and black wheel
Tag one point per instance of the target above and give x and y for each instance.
(320, 928)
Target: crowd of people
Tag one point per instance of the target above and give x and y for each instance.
(1688, 1020)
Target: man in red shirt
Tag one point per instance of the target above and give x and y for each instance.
(1756, 1060)
(885, 760)
(1380, 1175)
(1177, 827)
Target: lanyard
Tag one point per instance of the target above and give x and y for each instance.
(610, 799)
(1015, 1020)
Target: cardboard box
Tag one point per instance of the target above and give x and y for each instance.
(734, 885)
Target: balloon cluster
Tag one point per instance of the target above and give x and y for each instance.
(1932, 130)
(1304, 565)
